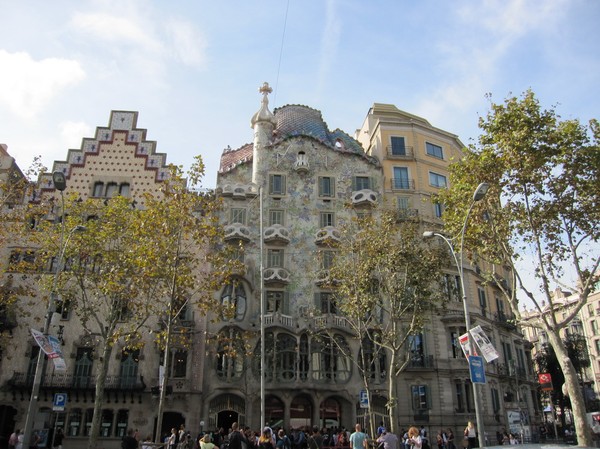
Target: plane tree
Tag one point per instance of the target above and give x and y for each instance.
(137, 266)
(541, 212)
(385, 283)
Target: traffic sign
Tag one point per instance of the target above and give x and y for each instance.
(477, 369)
(60, 401)
(364, 399)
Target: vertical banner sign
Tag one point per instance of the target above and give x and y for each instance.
(465, 345)
(545, 380)
(161, 376)
(51, 347)
(485, 345)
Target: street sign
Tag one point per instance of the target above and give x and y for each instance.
(60, 401)
(477, 369)
(364, 399)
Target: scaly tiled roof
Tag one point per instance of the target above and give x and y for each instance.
(298, 121)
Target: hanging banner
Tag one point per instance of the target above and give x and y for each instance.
(545, 380)
(465, 345)
(44, 343)
(485, 345)
(58, 359)
(51, 347)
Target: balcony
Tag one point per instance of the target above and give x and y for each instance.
(278, 319)
(75, 386)
(277, 234)
(505, 320)
(406, 214)
(421, 362)
(323, 278)
(405, 153)
(330, 320)
(327, 236)
(237, 231)
(402, 184)
(239, 191)
(364, 197)
(276, 276)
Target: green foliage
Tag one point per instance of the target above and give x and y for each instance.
(383, 277)
(543, 205)
(544, 195)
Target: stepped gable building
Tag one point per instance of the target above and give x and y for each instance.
(117, 160)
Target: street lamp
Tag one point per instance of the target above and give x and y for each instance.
(479, 193)
(58, 178)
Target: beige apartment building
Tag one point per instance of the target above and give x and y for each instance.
(415, 157)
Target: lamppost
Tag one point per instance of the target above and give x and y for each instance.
(479, 193)
(60, 184)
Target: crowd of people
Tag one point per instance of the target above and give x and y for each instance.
(306, 437)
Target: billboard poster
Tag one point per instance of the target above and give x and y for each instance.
(545, 380)
(484, 343)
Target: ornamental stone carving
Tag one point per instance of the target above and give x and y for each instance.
(326, 235)
(364, 197)
(277, 233)
(237, 231)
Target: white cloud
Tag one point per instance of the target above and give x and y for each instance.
(27, 86)
(72, 133)
(115, 29)
(187, 44)
(329, 44)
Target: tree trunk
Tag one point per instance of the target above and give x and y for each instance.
(101, 373)
(584, 436)
(392, 399)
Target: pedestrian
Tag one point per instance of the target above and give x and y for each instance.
(20, 439)
(172, 439)
(358, 439)
(387, 440)
(415, 440)
(471, 435)
(206, 442)
(450, 436)
(236, 438)
(342, 439)
(129, 441)
(147, 444)
(266, 439)
(283, 441)
(13, 439)
(59, 436)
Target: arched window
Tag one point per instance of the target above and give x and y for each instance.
(129, 368)
(374, 358)
(286, 357)
(234, 295)
(330, 358)
(230, 356)
(83, 367)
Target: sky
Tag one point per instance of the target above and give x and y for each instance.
(192, 68)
